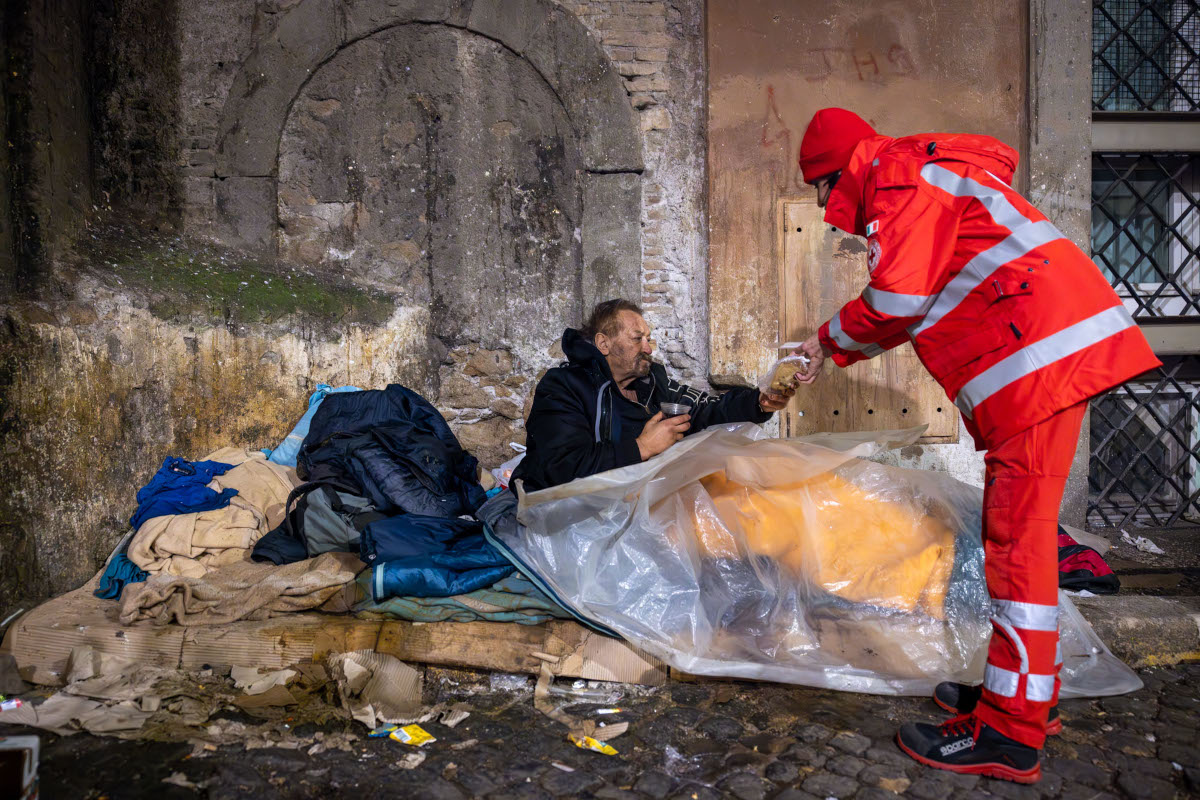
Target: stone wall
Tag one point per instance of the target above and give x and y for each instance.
(135, 84)
(658, 47)
(437, 249)
(659, 254)
(46, 196)
(47, 172)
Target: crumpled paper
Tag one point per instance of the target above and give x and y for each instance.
(66, 714)
(255, 682)
(377, 688)
(104, 694)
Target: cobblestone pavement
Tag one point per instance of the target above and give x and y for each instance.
(692, 741)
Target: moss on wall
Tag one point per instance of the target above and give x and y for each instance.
(189, 281)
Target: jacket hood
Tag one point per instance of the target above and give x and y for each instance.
(829, 141)
(845, 207)
(581, 352)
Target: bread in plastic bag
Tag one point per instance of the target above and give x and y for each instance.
(792, 560)
(780, 376)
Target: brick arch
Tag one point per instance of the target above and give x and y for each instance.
(549, 38)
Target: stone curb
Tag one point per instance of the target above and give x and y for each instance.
(1145, 631)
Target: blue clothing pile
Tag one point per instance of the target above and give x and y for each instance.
(384, 476)
(392, 450)
(181, 487)
(395, 449)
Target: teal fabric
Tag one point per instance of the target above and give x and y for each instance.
(513, 599)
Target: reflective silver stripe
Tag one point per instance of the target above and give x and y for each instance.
(896, 304)
(996, 179)
(1000, 681)
(1024, 236)
(378, 581)
(1058, 654)
(1042, 353)
(1026, 616)
(978, 269)
(599, 400)
(841, 337)
(994, 200)
(1039, 688)
(1011, 633)
(843, 340)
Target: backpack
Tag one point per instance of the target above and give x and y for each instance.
(1082, 568)
(321, 517)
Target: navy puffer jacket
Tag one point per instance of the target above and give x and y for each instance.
(397, 448)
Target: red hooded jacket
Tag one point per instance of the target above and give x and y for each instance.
(1010, 317)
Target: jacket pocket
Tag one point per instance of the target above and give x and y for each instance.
(954, 356)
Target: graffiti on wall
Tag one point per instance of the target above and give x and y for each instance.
(775, 138)
(863, 64)
(824, 63)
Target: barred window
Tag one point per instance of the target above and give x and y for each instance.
(1145, 459)
(1146, 230)
(1144, 55)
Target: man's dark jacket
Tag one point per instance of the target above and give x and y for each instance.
(581, 424)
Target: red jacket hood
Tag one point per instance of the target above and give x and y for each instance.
(903, 158)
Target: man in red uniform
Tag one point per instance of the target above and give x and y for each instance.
(1020, 328)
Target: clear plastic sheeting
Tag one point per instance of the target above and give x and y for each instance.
(792, 560)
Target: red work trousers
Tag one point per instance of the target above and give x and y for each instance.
(1023, 488)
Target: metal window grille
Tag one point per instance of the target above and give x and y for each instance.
(1145, 457)
(1144, 55)
(1146, 230)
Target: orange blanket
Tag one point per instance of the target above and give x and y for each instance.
(834, 535)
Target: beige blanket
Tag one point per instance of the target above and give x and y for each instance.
(245, 590)
(192, 544)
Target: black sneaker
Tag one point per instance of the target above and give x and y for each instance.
(959, 698)
(964, 744)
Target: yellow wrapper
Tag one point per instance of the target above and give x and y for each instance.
(588, 743)
(412, 734)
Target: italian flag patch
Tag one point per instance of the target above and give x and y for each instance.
(872, 228)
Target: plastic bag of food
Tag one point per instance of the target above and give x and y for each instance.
(793, 560)
(780, 376)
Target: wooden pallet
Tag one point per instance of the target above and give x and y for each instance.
(41, 640)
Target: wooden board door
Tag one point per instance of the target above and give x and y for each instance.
(822, 270)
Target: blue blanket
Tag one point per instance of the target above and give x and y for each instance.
(417, 556)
